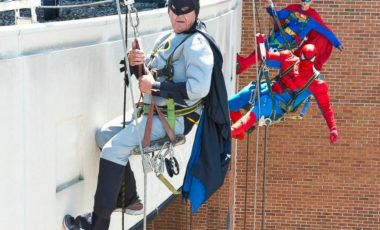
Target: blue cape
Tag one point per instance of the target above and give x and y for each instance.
(211, 153)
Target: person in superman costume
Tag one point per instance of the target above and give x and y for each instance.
(298, 80)
(302, 25)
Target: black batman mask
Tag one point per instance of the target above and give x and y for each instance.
(180, 7)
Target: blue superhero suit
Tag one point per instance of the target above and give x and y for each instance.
(298, 27)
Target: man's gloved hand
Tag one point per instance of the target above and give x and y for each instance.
(243, 63)
(334, 136)
(341, 48)
(123, 69)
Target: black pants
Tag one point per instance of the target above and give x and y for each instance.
(108, 192)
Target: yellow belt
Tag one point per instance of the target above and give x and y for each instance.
(290, 31)
(179, 112)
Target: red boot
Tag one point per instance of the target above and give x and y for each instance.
(235, 116)
(241, 126)
(245, 63)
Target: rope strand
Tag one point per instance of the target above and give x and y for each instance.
(123, 198)
(124, 40)
(246, 182)
(264, 177)
(257, 91)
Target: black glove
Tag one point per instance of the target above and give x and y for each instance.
(124, 69)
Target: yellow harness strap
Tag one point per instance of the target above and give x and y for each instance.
(179, 112)
(170, 112)
(168, 184)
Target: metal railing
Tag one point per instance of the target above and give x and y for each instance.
(52, 8)
(17, 5)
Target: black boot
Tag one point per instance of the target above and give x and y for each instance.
(130, 193)
(131, 201)
(99, 223)
(109, 183)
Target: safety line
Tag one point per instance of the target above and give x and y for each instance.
(264, 177)
(123, 185)
(124, 39)
(259, 106)
(246, 182)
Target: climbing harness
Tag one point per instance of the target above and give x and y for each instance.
(156, 162)
(179, 110)
(160, 154)
(289, 107)
(167, 72)
(153, 161)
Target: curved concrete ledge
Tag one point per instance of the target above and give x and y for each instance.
(24, 40)
(60, 81)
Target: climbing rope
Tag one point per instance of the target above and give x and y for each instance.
(264, 177)
(123, 186)
(130, 10)
(257, 92)
(246, 182)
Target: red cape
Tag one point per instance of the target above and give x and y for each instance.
(324, 46)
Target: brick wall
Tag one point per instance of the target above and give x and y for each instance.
(310, 183)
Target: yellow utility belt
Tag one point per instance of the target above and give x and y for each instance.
(171, 111)
(290, 32)
(179, 111)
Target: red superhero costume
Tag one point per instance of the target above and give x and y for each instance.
(302, 78)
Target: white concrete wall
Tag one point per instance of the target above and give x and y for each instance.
(59, 82)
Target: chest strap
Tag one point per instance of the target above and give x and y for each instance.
(285, 72)
(289, 106)
(170, 111)
(168, 70)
